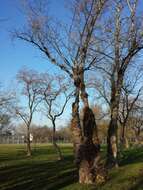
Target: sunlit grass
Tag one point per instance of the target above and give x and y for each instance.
(43, 171)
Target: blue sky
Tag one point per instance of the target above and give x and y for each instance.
(16, 54)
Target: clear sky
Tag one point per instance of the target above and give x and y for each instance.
(16, 54)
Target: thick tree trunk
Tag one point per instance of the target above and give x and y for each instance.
(112, 141)
(57, 148)
(112, 149)
(112, 136)
(28, 142)
(87, 154)
(76, 126)
(90, 169)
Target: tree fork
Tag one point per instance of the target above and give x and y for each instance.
(90, 169)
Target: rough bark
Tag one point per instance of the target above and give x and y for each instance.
(112, 138)
(75, 125)
(87, 151)
(90, 169)
(112, 149)
(89, 124)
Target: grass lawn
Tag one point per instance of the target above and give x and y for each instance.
(43, 172)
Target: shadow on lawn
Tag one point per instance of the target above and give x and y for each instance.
(132, 156)
(138, 186)
(38, 175)
(40, 172)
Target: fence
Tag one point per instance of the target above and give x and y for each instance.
(11, 139)
(20, 139)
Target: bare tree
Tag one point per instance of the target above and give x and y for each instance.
(54, 91)
(131, 92)
(30, 91)
(136, 121)
(69, 49)
(4, 121)
(6, 101)
(122, 41)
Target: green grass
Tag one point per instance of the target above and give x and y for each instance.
(44, 172)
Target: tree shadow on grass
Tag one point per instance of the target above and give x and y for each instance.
(132, 156)
(48, 175)
(138, 185)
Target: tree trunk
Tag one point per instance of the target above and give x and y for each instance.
(112, 141)
(28, 142)
(76, 126)
(60, 157)
(137, 134)
(87, 154)
(90, 169)
(57, 148)
(124, 139)
(112, 144)
(126, 144)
